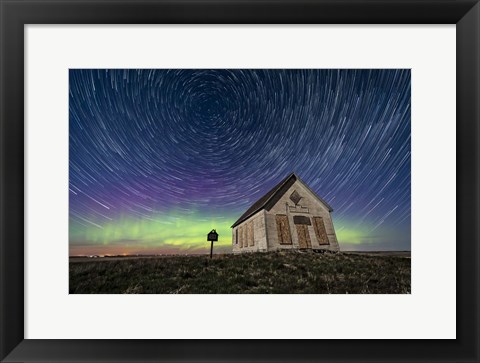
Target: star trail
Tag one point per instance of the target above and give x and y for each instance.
(160, 157)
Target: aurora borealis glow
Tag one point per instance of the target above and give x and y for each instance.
(160, 157)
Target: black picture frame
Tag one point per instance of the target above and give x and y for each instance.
(16, 13)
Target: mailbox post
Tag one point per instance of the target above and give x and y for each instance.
(212, 237)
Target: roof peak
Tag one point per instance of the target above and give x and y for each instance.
(269, 199)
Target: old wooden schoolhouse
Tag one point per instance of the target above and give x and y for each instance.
(290, 216)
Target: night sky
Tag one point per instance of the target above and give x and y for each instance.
(160, 157)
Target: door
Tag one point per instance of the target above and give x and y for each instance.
(303, 236)
(320, 231)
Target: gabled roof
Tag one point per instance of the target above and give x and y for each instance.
(273, 196)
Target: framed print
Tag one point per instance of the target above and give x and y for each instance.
(239, 181)
(281, 226)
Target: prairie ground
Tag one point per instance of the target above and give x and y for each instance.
(256, 273)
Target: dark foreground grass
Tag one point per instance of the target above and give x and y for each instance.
(259, 273)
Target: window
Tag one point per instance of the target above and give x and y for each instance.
(253, 237)
(320, 231)
(283, 229)
(250, 233)
(241, 237)
(244, 236)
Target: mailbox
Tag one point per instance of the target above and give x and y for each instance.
(212, 236)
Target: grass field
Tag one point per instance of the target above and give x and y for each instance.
(258, 273)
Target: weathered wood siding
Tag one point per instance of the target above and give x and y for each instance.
(253, 232)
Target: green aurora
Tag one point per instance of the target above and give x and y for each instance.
(177, 233)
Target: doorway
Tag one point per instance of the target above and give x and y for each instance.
(303, 236)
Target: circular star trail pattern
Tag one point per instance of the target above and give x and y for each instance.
(152, 148)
